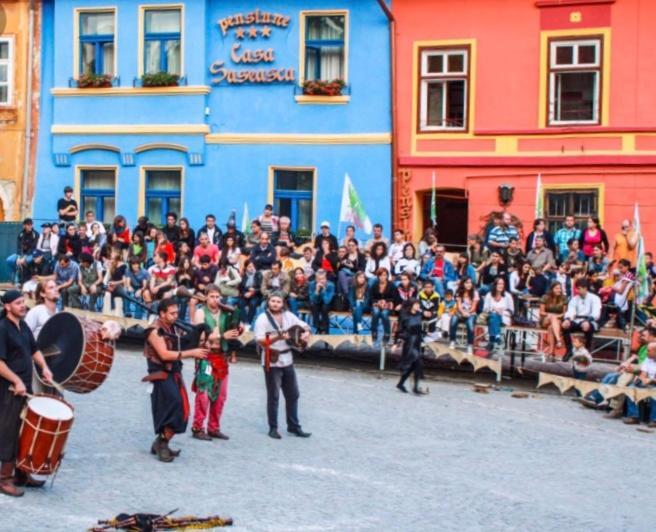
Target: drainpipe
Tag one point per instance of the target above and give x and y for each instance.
(28, 116)
(392, 42)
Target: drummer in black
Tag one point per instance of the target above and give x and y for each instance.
(169, 401)
(17, 351)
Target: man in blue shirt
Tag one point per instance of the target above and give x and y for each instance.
(500, 235)
(66, 275)
(563, 235)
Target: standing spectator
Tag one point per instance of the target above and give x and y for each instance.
(500, 307)
(358, 299)
(500, 235)
(592, 236)
(552, 309)
(66, 276)
(326, 259)
(274, 280)
(26, 244)
(564, 235)
(90, 219)
(171, 229)
(298, 291)
(121, 232)
(378, 260)
(250, 293)
(466, 305)
(186, 234)
(70, 244)
(268, 220)
(325, 234)
(540, 256)
(397, 246)
(626, 242)
(321, 292)
(439, 270)
(263, 255)
(408, 263)
(540, 230)
(67, 207)
(205, 248)
(376, 238)
(583, 313)
(211, 230)
(383, 295)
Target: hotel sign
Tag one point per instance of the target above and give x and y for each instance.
(245, 51)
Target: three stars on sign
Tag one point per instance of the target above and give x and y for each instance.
(240, 33)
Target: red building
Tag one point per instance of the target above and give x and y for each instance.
(492, 93)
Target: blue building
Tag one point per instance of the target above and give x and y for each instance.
(240, 126)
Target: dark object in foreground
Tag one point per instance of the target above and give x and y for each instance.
(154, 522)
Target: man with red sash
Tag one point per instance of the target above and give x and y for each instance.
(211, 380)
(169, 401)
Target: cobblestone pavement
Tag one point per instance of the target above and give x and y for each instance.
(377, 460)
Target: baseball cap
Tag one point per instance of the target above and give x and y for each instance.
(325, 224)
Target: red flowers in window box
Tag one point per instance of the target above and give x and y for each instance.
(323, 88)
(160, 79)
(94, 81)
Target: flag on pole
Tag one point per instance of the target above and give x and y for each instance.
(539, 200)
(352, 210)
(433, 208)
(642, 279)
(245, 221)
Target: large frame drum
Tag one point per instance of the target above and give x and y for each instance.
(77, 355)
(47, 421)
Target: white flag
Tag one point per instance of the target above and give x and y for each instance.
(352, 210)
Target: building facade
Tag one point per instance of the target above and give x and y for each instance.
(237, 128)
(19, 98)
(494, 93)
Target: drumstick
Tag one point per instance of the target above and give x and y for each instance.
(28, 395)
(50, 351)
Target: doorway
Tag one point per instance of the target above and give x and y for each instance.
(452, 208)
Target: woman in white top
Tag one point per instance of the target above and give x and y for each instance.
(499, 307)
(408, 263)
(377, 259)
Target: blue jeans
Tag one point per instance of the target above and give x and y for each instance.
(12, 261)
(470, 322)
(295, 304)
(382, 315)
(344, 280)
(632, 408)
(439, 286)
(357, 312)
(248, 308)
(609, 378)
(494, 322)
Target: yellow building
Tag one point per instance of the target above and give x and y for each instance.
(19, 100)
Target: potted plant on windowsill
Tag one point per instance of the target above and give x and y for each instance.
(160, 79)
(94, 81)
(323, 88)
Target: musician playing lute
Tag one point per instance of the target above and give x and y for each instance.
(271, 333)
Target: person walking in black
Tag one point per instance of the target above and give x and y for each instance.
(410, 333)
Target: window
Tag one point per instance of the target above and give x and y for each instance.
(98, 193)
(325, 47)
(162, 194)
(6, 71)
(444, 89)
(162, 41)
(560, 203)
(574, 81)
(292, 197)
(97, 47)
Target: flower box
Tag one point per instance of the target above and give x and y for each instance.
(160, 79)
(94, 81)
(323, 88)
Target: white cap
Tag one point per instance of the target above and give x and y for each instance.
(325, 224)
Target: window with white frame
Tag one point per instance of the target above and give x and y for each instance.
(6, 70)
(575, 81)
(325, 47)
(97, 46)
(162, 41)
(444, 89)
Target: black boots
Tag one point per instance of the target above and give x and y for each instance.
(160, 447)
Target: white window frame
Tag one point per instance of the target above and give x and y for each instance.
(575, 67)
(431, 78)
(10, 71)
